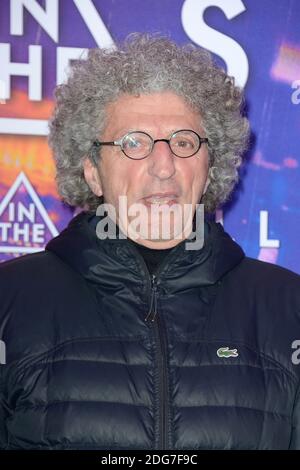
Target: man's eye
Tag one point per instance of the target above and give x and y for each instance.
(183, 143)
(132, 143)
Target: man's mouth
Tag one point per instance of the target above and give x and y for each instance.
(160, 199)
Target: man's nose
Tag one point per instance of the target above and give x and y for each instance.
(161, 160)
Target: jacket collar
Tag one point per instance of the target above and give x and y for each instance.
(79, 247)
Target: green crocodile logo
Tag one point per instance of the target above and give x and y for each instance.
(226, 352)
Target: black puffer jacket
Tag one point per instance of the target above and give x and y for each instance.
(86, 371)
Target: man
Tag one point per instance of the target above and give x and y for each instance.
(134, 339)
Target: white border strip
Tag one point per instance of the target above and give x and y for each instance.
(24, 126)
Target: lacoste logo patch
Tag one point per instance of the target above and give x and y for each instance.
(226, 352)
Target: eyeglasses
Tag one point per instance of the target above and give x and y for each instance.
(138, 145)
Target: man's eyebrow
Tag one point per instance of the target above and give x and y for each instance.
(125, 130)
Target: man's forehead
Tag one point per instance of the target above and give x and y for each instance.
(153, 110)
(164, 103)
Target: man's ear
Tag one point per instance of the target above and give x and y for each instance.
(92, 177)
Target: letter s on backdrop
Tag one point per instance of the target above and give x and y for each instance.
(198, 31)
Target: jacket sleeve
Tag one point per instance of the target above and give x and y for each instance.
(295, 438)
(3, 413)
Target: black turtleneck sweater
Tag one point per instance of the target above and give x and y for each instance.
(152, 256)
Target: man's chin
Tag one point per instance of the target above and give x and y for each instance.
(157, 244)
(158, 223)
(160, 231)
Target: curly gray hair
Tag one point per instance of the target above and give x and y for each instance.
(146, 63)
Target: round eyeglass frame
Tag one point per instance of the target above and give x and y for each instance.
(119, 143)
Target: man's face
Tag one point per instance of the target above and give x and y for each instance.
(185, 179)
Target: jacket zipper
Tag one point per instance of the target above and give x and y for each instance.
(162, 359)
(151, 315)
(162, 353)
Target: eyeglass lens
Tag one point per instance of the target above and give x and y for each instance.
(139, 144)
